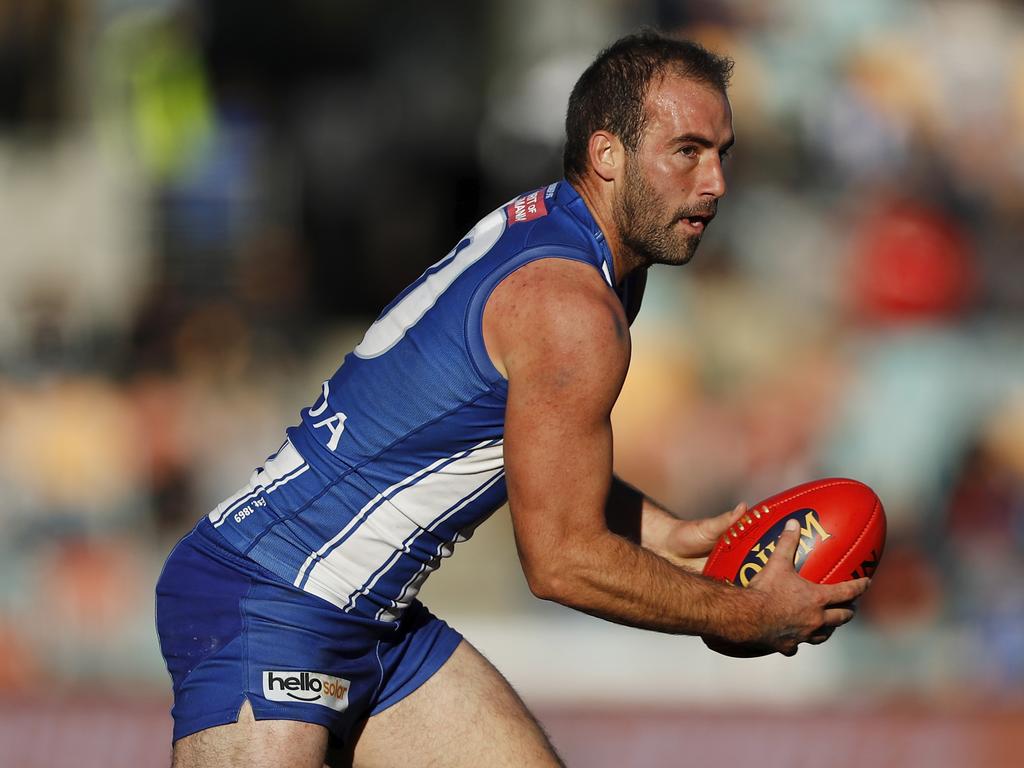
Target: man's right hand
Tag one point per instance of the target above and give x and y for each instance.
(790, 610)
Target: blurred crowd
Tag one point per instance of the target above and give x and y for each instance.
(203, 204)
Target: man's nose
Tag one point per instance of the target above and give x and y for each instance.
(713, 181)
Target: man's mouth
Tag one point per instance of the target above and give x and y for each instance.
(696, 224)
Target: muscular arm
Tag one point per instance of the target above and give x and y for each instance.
(561, 339)
(564, 345)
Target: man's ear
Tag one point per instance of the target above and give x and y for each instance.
(606, 154)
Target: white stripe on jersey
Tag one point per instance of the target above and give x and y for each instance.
(391, 327)
(394, 518)
(412, 587)
(607, 274)
(407, 544)
(284, 466)
(371, 504)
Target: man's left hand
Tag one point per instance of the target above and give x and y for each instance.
(689, 542)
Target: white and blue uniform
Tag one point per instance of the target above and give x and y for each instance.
(397, 460)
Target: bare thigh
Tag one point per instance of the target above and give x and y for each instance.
(253, 744)
(466, 714)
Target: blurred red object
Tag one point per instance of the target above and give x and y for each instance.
(19, 666)
(907, 592)
(911, 262)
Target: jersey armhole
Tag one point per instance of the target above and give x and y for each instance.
(475, 311)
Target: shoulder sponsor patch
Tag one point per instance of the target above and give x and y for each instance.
(527, 207)
(293, 686)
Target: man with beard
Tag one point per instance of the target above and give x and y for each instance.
(288, 618)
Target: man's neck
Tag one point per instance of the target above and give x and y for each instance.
(597, 197)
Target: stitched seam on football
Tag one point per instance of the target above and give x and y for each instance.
(744, 534)
(856, 543)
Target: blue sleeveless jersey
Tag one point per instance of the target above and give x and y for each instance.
(400, 457)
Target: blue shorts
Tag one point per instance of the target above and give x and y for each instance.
(230, 630)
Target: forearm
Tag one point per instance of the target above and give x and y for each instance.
(609, 577)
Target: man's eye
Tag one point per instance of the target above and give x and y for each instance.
(724, 154)
(688, 151)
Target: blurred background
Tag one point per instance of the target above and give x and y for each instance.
(203, 204)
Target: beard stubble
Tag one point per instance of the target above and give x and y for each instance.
(645, 227)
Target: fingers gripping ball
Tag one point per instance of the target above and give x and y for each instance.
(842, 534)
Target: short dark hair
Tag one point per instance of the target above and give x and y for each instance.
(610, 94)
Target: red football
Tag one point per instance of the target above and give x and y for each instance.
(842, 533)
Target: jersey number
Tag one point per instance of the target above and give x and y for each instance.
(391, 327)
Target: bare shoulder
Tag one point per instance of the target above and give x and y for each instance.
(560, 316)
